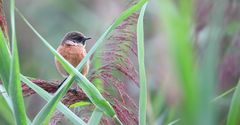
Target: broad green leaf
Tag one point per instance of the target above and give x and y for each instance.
(234, 111)
(141, 64)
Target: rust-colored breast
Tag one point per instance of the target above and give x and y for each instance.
(73, 54)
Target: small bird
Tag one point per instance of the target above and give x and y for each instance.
(72, 48)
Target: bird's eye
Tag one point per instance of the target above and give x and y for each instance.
(77, 39)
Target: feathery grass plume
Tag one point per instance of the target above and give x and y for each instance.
(118, 69)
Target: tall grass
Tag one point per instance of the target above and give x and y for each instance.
(141, 63)
(177, 22)
(15, 90)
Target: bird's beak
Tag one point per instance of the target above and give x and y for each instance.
(87, 38)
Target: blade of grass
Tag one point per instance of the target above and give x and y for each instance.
(101, 103)
(6, 97)
(15, 89)
(177, 23)
(96, 117)
(6, 116)
(141, 64)
(5, 70)
(174, 122)
(46, 96)
(234, 110)
(223, 94)
(208, 64)
(4, 61)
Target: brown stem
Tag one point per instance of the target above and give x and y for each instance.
(71, 96)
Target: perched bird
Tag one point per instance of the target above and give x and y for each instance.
(72, 48)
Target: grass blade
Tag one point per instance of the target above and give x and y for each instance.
(141, 64)
(177, 23)
(46, 96)
(208, 65)
(4, 61)
(15, 89)
(223, 94)
(174, 122)
(6, 116)
(234, 111)
(96, 117)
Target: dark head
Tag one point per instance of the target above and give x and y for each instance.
(75, 37)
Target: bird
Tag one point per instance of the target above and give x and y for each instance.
(72, 48)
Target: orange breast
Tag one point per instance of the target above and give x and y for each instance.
(73, 54)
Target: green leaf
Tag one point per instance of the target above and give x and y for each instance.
(234, 111)
(95, 96)
(4, 61)
(141, 64)
(15, 89)
(61, 107)
(177, 24)
(96, 117)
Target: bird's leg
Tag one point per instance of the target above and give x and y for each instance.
(62, 83)
(74, 90)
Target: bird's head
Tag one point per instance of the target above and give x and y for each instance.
(75, 37)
